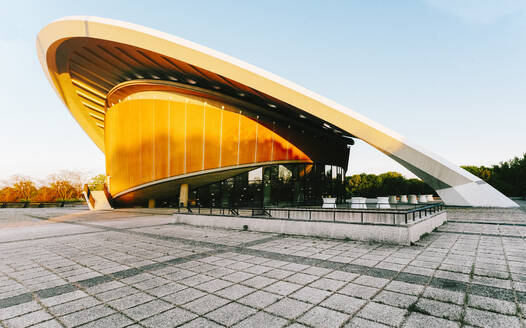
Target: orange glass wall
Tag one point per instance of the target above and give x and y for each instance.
(155, 135)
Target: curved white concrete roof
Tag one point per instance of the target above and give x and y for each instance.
(455, 185)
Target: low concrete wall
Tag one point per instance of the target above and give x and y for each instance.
(395, 234)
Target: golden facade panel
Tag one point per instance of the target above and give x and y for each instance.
(152, 136)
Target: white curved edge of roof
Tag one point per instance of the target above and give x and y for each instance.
(460, 185)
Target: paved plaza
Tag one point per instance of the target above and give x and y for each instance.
(63, 267)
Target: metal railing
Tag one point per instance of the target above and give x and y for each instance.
(339, 215)
(40, 204)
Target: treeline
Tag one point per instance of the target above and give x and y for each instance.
(62, 186)
(507, 177)
(385, 184)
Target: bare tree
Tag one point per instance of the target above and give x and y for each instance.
(67, 184)
(24, 187)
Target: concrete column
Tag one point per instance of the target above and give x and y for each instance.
(266, 186)
(151, 203)
(183, 194)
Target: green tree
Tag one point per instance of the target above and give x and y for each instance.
(97, 182)
(385, 184)
(508, 177)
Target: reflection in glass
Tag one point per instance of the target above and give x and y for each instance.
(274, 185)
(255, 175)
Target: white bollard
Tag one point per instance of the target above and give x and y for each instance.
(382, 202)
(422, 198)
(413, 199)
(358, 202)
(403, 198)
(393, 200)
(329, 203)
(430, 198)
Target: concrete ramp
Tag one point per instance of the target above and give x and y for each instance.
(101, 202)
(97, 200)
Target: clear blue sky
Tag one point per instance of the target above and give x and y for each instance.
(450, 75)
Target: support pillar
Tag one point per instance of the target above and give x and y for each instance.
(151, 203)
(183, 195)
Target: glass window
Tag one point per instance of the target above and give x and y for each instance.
(274, 185)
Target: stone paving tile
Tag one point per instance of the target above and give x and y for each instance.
(116, 320)
(147, 309)
(205, 304)
(48, 324)
(230, 314)
(310, 295)
(327, 284)
(489, 319)
(288, 308)
(278, 274)
(440, 309)
(490, 304)
(342, 275)
(282, 288)
(17, 310)
(183, 296)
(358, 291)
(28, 319)
(235, 292)
(195, 280)
(170, 318)
(320, 317)
(259, 282)
(382, 313)
(395, 299)
(129, 301)
(201, 323)
(419, 320)
(237, 277)
(112, 294)
(167, 289)
(452, 275)
(405, 288)
(444, 295)
(104, 287)
(301, 278)
(84, 316)
(184, 264)
(73, 306)
(316, 271)
(371, 281)
(262, 319)
(259, 299)
(343, 303)
(358, 322)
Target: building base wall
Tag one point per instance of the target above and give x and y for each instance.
(393, 234)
